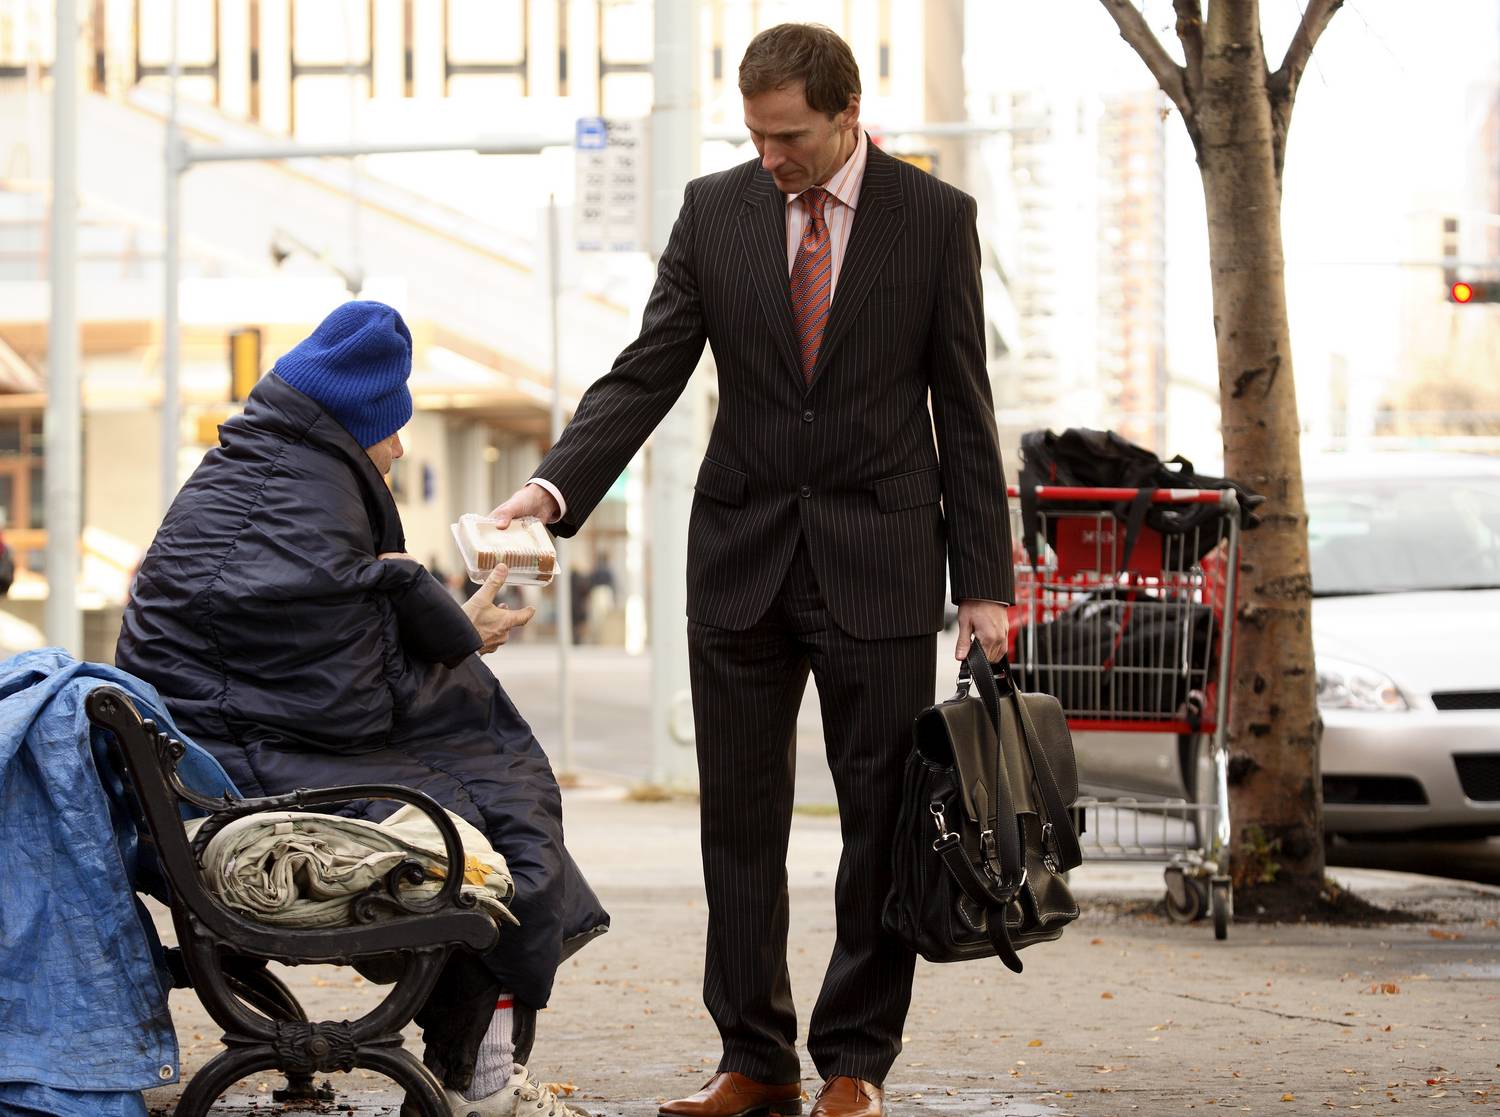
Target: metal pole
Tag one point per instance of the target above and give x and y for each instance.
(171, 266)
(250, 153)
(63, 455)
(675, 447)
(524, 144)
(564, 588)
(1223, 836)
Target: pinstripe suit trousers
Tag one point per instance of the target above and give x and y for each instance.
(747, 687)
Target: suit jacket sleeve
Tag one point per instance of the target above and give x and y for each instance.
(963, 413)
(622, 408)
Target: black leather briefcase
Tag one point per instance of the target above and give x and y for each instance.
(985, 831)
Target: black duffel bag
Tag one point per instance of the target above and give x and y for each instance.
(985, 834)
(1084, 458)
(1121, 652)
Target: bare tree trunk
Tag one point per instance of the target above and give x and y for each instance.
(1274, 725)
(1237, 113)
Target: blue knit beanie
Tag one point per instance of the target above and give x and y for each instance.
(356, 364)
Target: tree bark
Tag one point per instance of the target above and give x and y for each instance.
(1237, 113)
(1276, 798)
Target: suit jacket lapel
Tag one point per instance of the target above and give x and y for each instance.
(762, 228)
(877, 221)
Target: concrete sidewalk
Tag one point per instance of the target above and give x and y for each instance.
(1127, 1013)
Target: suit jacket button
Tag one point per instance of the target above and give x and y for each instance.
(807, 416)
(806, 491)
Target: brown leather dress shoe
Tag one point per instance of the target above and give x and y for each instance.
(848, 1097)
(728, 1094)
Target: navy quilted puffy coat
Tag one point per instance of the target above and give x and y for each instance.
(285, 647)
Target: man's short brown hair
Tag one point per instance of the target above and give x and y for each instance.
(808, 53)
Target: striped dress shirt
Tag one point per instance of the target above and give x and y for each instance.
(843, 199)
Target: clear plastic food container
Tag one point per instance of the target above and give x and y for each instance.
(524, 547)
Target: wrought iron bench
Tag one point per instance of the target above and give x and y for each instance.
(223, 953)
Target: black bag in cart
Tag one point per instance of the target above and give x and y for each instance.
(984, 834)
(1084, 458)
(1121, 651)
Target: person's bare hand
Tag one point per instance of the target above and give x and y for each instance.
(529, 500)
(988, 620)
(493, 622)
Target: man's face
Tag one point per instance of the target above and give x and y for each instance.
(799, 145)
(384, 452)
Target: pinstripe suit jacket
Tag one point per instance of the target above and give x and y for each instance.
(848, 462)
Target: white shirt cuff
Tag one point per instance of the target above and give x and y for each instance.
(562, 505)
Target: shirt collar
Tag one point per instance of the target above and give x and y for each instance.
(845, 182)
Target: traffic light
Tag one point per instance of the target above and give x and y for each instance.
(1465, 291)
(244, 362)
(1462, 292)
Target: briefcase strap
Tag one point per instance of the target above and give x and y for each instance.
(950, 849)
(1000, 838)
(1054, 810)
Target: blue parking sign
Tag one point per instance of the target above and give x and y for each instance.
(592, 134)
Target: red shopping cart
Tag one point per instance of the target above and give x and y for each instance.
(1128, 627)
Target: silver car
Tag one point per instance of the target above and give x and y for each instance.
(1405, 553)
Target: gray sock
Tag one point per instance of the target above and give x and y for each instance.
(496, 1061)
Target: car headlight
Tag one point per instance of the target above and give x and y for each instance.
(1351, 686)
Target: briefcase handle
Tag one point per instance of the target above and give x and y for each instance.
(993, 681)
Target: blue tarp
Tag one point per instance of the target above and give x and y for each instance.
(84, 1024)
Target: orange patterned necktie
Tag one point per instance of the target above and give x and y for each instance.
(812, 279)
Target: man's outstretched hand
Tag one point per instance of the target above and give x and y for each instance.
(493, 622)
(529, 500)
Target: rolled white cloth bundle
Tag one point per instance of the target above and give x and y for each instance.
(300, 869)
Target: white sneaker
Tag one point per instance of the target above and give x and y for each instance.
(522, 1096)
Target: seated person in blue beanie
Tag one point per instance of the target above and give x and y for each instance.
(288, 632)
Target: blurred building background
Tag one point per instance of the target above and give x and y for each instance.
(1095, 273)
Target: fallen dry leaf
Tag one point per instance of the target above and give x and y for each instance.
(1288, 1097)
(1389, 988)
(1034, 1043)
(1445, 936)
(1106, 996)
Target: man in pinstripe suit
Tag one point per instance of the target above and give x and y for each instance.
(854, 449)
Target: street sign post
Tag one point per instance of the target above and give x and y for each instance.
(611, 201)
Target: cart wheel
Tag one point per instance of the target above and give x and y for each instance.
(1222, 901)
(1186, 896)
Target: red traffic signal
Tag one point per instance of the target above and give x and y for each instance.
(1465, 291)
